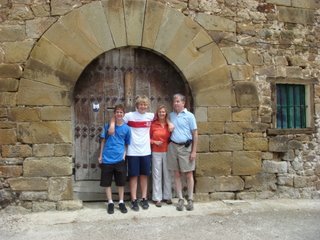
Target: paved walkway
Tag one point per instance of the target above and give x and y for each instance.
(261, 219)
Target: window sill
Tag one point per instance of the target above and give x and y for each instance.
(287, 131)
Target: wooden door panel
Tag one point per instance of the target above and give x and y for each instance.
(117, 76)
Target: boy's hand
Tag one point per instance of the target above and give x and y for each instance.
(111, 129)
(170, 126)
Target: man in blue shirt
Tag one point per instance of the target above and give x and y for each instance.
(183, 148)
(111, 158)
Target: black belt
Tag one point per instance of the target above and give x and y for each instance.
(186, 144)
(178, 143)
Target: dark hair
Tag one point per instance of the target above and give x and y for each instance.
(119, 106)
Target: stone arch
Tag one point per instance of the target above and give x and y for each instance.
(77, 38)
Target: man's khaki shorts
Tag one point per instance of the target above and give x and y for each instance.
(179, 158)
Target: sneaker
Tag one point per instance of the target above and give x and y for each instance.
(169, 201)
(158, 204)
(144, 203)
(134, 205)
(110, 208)
(189, 206)
(123, 208)
(180, 205)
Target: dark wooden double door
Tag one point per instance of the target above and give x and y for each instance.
(117, 76)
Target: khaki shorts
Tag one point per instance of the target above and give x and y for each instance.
(179, 158)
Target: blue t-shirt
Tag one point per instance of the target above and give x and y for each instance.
(184, 123)
(114, 146)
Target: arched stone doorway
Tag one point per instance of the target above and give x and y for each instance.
(76, 39)
(115, 77)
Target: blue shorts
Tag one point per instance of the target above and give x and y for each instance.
(139, 165)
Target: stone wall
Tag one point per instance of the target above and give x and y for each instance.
(237, 157)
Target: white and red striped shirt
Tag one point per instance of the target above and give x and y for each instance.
(140, 132)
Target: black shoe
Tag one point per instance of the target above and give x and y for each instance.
(168, 201)
(110, 208)
(144, 203)
(134, 205)
(123, 208)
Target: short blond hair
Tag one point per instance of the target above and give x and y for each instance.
(142, 99)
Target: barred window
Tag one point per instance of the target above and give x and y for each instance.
(291, 106)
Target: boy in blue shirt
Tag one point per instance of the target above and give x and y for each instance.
(112, 155)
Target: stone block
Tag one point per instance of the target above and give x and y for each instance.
(296, 15)
(63, 7)
(45, 132)
(153, 17)
(115, 17)
(246, 162)
(55, 113)
(255, 58)
(213, 164)
(246, 94)
(35, 28)
(312, 4)
(285, 180)
(215, 23)
(37, 93)
(10, 70)
(47, 167)
(219, 114)
(226, 142)
(274, 167)
(280, 2)
(234, 55)
(60, 189)
(134, 18)
(241, 115)
(48, 64)
(229, 184)
(24, 114)
(246, 195)
(217, 196)
(70, 205)
(261, 182)
(205, 185)
(241, 72)
(28, 184)
(191, 51)
(16, 52)
(43, 206)
(171, 23)
(10, 171)
(33, 196)
(201, 114)
(63, 150)
(8, 136)
(203, 143)
(278, 144)
(210, 127)
(43, 150)
(12, 33)
(9, 85)
(201, 197)
(300, 181)
(255, 144)
(183, 37)
(8, 99)
(14, 151)
(238, 127)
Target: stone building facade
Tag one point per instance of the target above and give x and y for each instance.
(233, 54)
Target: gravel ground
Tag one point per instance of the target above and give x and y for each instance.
(261, 219)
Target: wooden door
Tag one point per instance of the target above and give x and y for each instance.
(117, 76)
